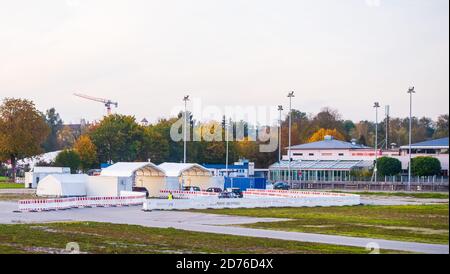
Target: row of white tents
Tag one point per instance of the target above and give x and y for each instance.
(124, 175)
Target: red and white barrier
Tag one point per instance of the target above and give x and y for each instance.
(80, 202)
(179, 194)
(254, 198)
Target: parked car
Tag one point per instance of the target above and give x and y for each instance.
(214, 189)
(281, 186)
(237, 192)
(226, 195)
(141, 189)
(191, 188)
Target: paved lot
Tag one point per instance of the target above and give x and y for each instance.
(200, 222)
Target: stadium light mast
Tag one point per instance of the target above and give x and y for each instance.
(387, 126)
(280, 109)
(375, 170)
(411, 91)
(185, 99)
(290, 96)
(227, 132)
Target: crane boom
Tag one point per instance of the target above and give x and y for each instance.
(108, 103)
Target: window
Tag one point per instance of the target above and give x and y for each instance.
(327, 154)
(311, 154)
(341, 154)
(298, 154)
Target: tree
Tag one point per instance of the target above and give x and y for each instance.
(66, 137)
(54, 122)
(68, 158)
(87, 152)
(321, 133)
(388, 166)
(118, 138)
(22, 130)
(154, 146)
(441, 127)
(425, 166)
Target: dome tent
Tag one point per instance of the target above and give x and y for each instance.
(63, 185)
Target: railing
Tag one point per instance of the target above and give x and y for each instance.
(373, 186)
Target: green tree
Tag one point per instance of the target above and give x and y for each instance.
(441, 127)
(54, 122)
(388, 166)
(425, 166)
(154, 146)
(68, 158)
(22, 130)
(118, 138)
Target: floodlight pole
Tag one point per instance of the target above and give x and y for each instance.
(376, 106)
(185, 99)
(411, 91)
(280, 109)
(227, 140)
(290, 96)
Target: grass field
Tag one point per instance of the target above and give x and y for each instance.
(423, 223)
(114, 238)
(17, 196)
(4, 185)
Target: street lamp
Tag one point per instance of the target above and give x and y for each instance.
(185, 99)
(411, 91)
(280, 109)
(227, 140)
(290, 96)
(376, 106)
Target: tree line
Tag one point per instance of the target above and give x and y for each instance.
(27, 132)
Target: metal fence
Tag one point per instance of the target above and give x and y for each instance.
(419, 186)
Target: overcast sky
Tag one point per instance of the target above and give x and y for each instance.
(147, 54)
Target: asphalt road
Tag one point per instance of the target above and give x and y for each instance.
(201, 222)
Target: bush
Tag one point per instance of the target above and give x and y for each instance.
(425, 166)
(388, 166)
(68, 158)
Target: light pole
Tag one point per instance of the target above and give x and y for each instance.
(375, 170)
(387, 126)
(226, 140)
(411, 91)
(280, 109)
(290, 96)
(185, 99)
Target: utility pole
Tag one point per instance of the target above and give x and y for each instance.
(280, 109)
(227, 132)
(376, 106)
(290, 96)
(411, 91)
(387, 126)
(185, 99)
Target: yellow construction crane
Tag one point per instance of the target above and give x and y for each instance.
(107, 102)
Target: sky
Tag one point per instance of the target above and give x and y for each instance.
(148, 54)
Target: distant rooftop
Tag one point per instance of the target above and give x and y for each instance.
(437, 144)
(322, 165)
(329, 143)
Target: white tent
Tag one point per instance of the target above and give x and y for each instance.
(142, 174)
(107, 186)
(63, 185)
(33, 178)
(187, 175)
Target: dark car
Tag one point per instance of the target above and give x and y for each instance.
(214, 189)
(281, 186)
(191, 188)
(226, 195)
(237, 192)
(141, 189)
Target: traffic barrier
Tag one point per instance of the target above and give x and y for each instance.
(254, 199)
(179, 194)
(36, 205)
